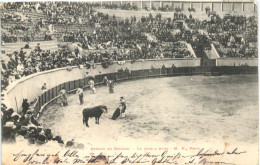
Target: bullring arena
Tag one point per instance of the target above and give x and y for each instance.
(173, 109)
(187, 71)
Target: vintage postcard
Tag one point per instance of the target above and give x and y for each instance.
(129, 82)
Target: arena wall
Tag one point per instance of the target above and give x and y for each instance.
(185, 6)
(30, 87)
(167, 3)
(146, 4)
(138, 4)
(217, 6)
(53, 93)
(196, 5)
(177, 5)
(156, 4)
(237, 6)
(249, 7)
(227, 7)
(116, 3)
(236, 62)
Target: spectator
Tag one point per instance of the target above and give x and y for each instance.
(44, 88)
(25, 106)
(63, 97)
(91, 85)
(80, 94)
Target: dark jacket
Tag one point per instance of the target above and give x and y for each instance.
(25, 106)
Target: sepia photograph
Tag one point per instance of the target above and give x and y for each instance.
(129, 82)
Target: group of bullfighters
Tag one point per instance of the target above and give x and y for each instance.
(119, 112)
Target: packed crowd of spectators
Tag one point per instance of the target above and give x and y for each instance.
(10, 17)
(232, 36)
(23, 32)
(51, 13)
(67, 13)
(122, 39)
(24, 128)
(128, 35)
(21, 64)
(128, 6)
(74, 13)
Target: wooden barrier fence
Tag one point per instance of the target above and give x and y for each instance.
(71, 86)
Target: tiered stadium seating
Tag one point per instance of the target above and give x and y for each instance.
(35, 15)
(9, 48)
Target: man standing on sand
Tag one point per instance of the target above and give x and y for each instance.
(111, 86)
(63, 97)
(122, 106)
(91, 85)
(80, 93)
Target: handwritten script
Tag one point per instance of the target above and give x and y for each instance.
(70, 156)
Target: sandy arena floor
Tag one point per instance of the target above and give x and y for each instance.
(173, 109)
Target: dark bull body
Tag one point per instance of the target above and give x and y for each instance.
(93, 112)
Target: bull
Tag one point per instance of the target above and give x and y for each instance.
(93, 112)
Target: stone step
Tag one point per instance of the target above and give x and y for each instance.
(8, 51)
(9, 48)
(31, 43)
(28, 50)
